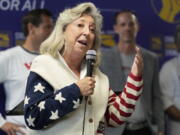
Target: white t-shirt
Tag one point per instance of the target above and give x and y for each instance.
(14, 67)
(170, 87)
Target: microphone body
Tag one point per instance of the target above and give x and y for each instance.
(90, 60)
(90, 67)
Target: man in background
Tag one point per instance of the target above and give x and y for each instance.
(15, 64)
(116, 63)
(170, 87)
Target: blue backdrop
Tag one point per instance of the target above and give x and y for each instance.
(157, 18)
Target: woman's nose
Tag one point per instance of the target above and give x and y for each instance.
(86, 31)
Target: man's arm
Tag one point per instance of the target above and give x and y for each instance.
(158, 112)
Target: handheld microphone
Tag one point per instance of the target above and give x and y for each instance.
(90, 59)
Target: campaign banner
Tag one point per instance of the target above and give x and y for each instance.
(157, 18)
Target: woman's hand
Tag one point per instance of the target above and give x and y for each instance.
(137, 67)
(86, 86)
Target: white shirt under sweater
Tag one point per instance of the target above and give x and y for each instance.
(14, 67)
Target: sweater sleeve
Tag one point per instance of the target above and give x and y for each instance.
(43, 105)
(121, 106)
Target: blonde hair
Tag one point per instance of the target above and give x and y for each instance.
(56, 41)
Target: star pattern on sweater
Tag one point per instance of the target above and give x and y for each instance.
(41, 105)
(60, 98)
(26, 100)
(39, 87)
(30, 121)
(54, 115)
(76, 103)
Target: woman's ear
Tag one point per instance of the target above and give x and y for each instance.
(63, 48)
(64, 28)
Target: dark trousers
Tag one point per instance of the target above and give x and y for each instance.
(143, 131)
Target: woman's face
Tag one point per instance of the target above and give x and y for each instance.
(80, 35)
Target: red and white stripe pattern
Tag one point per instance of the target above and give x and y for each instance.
(120, 107)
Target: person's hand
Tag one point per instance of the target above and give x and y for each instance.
(11, 128)
(86, 86)
(137, 67)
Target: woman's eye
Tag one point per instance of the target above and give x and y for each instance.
(122, 24)
(80, 25)
(93, 30)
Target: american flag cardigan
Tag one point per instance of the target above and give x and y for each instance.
(54, 105)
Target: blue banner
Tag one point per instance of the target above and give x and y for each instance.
(158, 19)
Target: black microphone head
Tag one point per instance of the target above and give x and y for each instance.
(91, 55)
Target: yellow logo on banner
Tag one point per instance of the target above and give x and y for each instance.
(4, 39)
(107, 40)
(167, 10)
(156, 43)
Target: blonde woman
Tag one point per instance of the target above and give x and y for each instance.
(55, 100)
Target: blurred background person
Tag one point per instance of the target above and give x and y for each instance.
(15, 64)
(170, 87)
(57, 85)
(116, 64)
